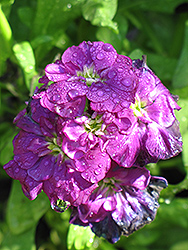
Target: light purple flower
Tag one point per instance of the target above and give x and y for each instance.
(92, 70)
(125, 201)
(39, 162)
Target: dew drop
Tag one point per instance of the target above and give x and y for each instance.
(34, 110)
(46, 163)
(93, 179)
(16, 170)
(97, 171)
(73, 93)
(114, 95)
(111, 74)
(92, 49)
(126, 82)
(120, 69)
(107, 90)
(57, 178)
(91, 157)
(100, 93)
(74, 54)
(107, 47)
(91, 214)
(125, 104)
(56, 97)
(79, 62)
(31, 183)
(100, 56)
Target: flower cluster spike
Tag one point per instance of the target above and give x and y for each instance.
(87, 135)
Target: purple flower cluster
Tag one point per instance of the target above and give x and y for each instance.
(87, 134)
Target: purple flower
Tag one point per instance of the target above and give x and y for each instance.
(92, 70)
(125, 201)
(148, 130)
(39, 162)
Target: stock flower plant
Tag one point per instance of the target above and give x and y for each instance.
(87, 135)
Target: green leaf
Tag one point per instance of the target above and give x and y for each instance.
(25, 241)
(182, 245)
(23, 214)
(25, 56)
(79, 237)
(106, 35)
(55, 15)
(163, 66)
(166, 6)
(6, 2)
(5, 40)
(136, 54)
(182, 117)
(7, 134)
(26, 15)
(180, 78)
(100, 13)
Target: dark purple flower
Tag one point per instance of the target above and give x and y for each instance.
(148, 130)
(92, 70)
(125, 201)
(39, 162)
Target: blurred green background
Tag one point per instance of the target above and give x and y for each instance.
(35, 33)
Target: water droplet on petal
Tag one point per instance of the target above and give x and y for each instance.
(111, 74)
(91, 214)
(74, 54)
(16, 170)
(100, 56)
(107, 47)
(93, 179)
(114, 95)
(56, 97)
(31, 183)
(126, 82)
(79, 62)
(73, 93)
(46, 163)
(97, 171)
(125, 104)
(120, 69)
(100, 93)
(34, 110)
(57, 178)
(91, 157)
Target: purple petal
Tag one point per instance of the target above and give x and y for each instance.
(138, 208)
(28, 125)
(15, 171)
(68, 185)
(163, 143)
(96, 164)
(26, 160)
(31, 188)
(161, 112)
(76, 57)
(123, 148)
(43, 169)
(103, 55)
(107, 229)
(57, 72)
(137, 177)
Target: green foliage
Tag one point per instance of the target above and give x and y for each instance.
(35, 33)
(79, 237)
